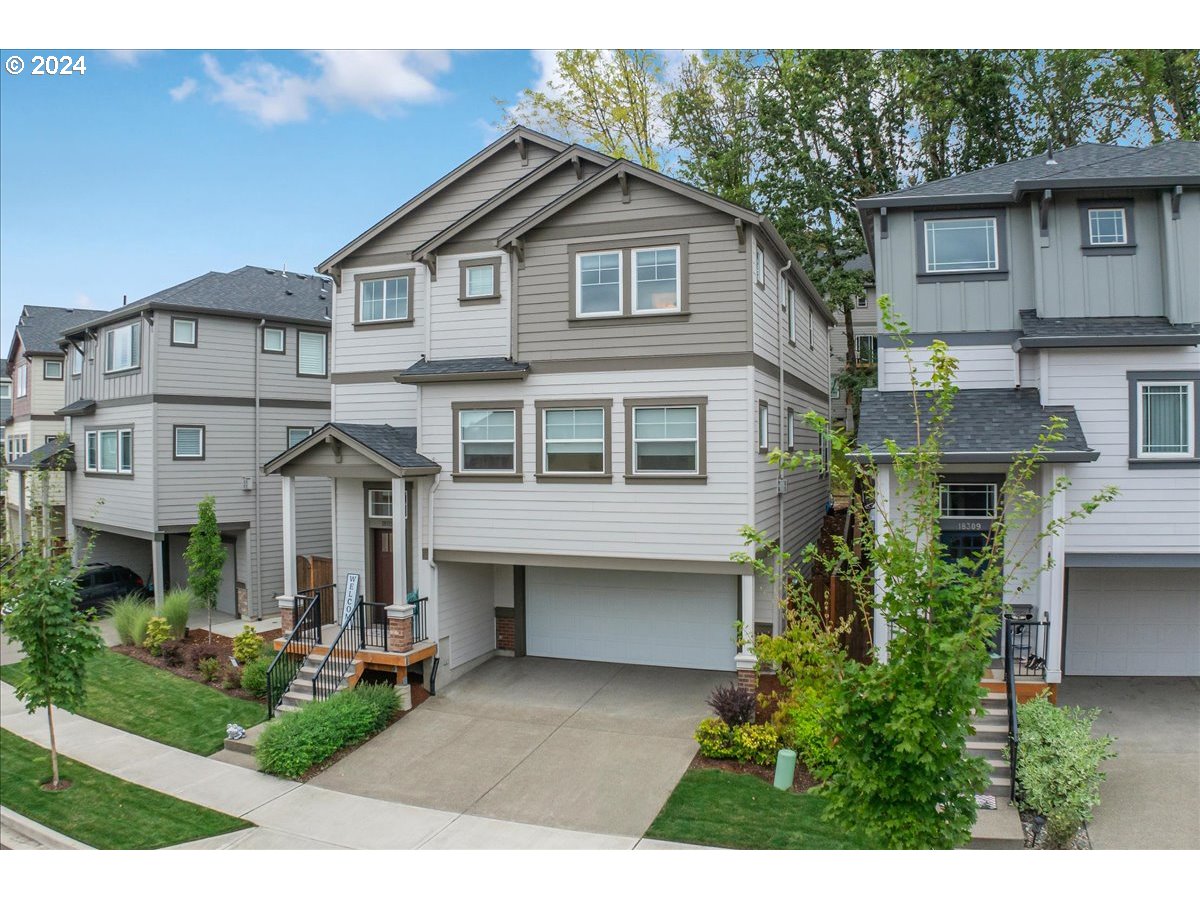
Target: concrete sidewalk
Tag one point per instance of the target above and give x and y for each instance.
(289, 815)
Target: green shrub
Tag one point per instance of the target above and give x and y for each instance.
(745, 743)
(1058, 765)
(130, 615)
(715, 739)
(254, 677)
(295, 743)
(176, 606)
(171, 653)
(803, 725)
(233, 679)
(158, 632)
(209, 668)
(247, 646)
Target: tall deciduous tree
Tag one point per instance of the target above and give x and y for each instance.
(1152, 94)
(205, 557)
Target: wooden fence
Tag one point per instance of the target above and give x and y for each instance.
(313, 572)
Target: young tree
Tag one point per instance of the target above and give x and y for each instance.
(898, 728)
(205, 557)
(57, 638)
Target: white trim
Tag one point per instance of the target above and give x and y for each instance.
(199, 443)
(633, 308)
(282, 332)
(408, 292)
(1189, 425)
(1124, 236)
(491, 267)
(94, 436)
(546, 440)
(951, 268)
(135, 359)
(462, 442)
(376, 494)
(620, 310)
(764, 424)
(22, 379)
(635, 440)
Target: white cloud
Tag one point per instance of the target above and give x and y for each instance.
(378, 81)
(184, 89)
(127, 57)
(83, 301)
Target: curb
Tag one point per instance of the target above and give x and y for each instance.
(22, 833)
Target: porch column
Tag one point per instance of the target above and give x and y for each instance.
(399, 542)
(22, 536)
(289, 536)
(745, 661)
(156, 569)
(882, 512)
(1054, 582)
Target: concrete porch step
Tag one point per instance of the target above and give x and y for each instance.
(986, 749)
(998, 829)
(991, 725)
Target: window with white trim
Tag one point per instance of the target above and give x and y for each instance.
(311, 357)
(861, 301)
(666, 440)
(5, 390)
(183, 332)
(109, 451)
(123, 347)
(22, 375)
(76, 361)
(52, 369)
(273, 340)
(763, 424)
(297, 433)
(791, 429)
(1165, 429)
(656, 280)
(866, 348)
(791, 313)
(961, 245)
(958, 500)
(598, 284)
(573, 441)
(189, 442)
(760, 265)
(385, 299)
(18, 445)
(1106, 226)
(835, 387)
(379, 503)
(487, 440)
(480, 281)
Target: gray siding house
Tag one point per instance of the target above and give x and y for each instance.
(185, 393)
(556, 377)
(1065, 285)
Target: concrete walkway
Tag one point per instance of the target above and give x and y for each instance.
(288, 815)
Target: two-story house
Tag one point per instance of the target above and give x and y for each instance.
(35, 367)
(1067, 285)
(185, 393)
(556, 377)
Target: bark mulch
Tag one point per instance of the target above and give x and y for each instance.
(199, 636)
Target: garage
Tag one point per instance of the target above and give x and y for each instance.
(676, 619)
(1143, 621)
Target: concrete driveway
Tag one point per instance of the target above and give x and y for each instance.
(580, 745)
(1151, 797)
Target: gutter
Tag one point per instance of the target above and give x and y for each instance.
(779, 492)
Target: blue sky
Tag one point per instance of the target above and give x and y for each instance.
(152, 168)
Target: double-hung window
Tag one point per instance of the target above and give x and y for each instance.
(1165, 417)
(574, 440)
(109, 451)
(598, 287)
(189, 442)
(52, 369)
(656, 280)
(311, 356)
(866, 349)
(76, 361)
(123, 347)
(665, 440)
(297, 433)
(487, 441)
(954, 245)
(386, 299)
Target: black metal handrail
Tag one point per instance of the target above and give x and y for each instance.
(420, 621)
(375, 626)
(1029, 640)
(342, 652)
(305, 635)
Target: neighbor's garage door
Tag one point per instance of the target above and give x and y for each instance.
(648, 618)
(1133, 622)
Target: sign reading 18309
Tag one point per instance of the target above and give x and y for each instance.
(57, 65)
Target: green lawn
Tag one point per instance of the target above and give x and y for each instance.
(98, 809)
(723, 809)
(141, 699)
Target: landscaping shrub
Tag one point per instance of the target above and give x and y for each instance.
(298, 741)
(209, 668)
(158, 632)
(1058, 765)
(197, 653)
(172, 653)
(233, 679)
(176, 606)
(254, 677)
(130, 615)
(745, 743)
(715, 739)
(803, 723)
(733, 704)
(247, 646)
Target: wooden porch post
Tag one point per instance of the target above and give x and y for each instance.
(289, 536)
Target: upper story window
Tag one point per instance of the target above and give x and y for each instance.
(52, 369)
(311, 355)
(5, 390)
(189, 442)
(968, 500)
(666, 440)
(183, 332)
(866, 348)
(274, 340)
(22, 376)
(763, 422)
(1106, 227)
(760, 265)
(123, 347)
(574, 441)
(961, 245)
(76, 360)
(479, 279)
(791, 430)
(488, 440)
(295, 434)
(385, 299)
(1165, 428)
(379, 503)
(656, 280)
(109, 451)
(18, 445)
(790, 311)
(599, 284)
(861, 301)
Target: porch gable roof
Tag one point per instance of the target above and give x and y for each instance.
(389, 447)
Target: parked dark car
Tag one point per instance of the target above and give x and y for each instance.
(100, 583)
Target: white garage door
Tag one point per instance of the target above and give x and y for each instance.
(1133, 622)
(647, 618)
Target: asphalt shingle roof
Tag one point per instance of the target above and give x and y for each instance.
(76, 407)
(43, 456)
(40, 327)
(1101, 331)
(396, 444)
(480, 365)
(1173, 159)
(996, 422)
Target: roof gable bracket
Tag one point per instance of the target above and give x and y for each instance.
(740, 227)
(623, 178)
(1176, 199)
(883, 223)
(518, 247)
(431, 262)
(523, 149)
(334, 445)
(577, 163)
(1044, 212)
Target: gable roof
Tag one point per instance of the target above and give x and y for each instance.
(573, 153)
(626, 168)
(392, 447)
(40, 327)
(514, 136)
(1166, 164)
(248, 292)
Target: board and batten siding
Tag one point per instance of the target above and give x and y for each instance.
(1155, 511)
(1181, 262)
(685, 521)
(986, 366)
(716, 287)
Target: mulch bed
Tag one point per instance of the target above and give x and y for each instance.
(801, 783)
(224, 647)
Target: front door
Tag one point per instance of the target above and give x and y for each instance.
(382, 581)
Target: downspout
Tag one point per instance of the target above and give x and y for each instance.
(779, 493)
(256, 563)
(434, 593)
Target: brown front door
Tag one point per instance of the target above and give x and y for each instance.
(382, 581)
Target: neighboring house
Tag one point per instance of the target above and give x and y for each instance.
(864, 319)
(185, 393)
(35, 367)
(5, 415)
(556, 377)
(1065, 286)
